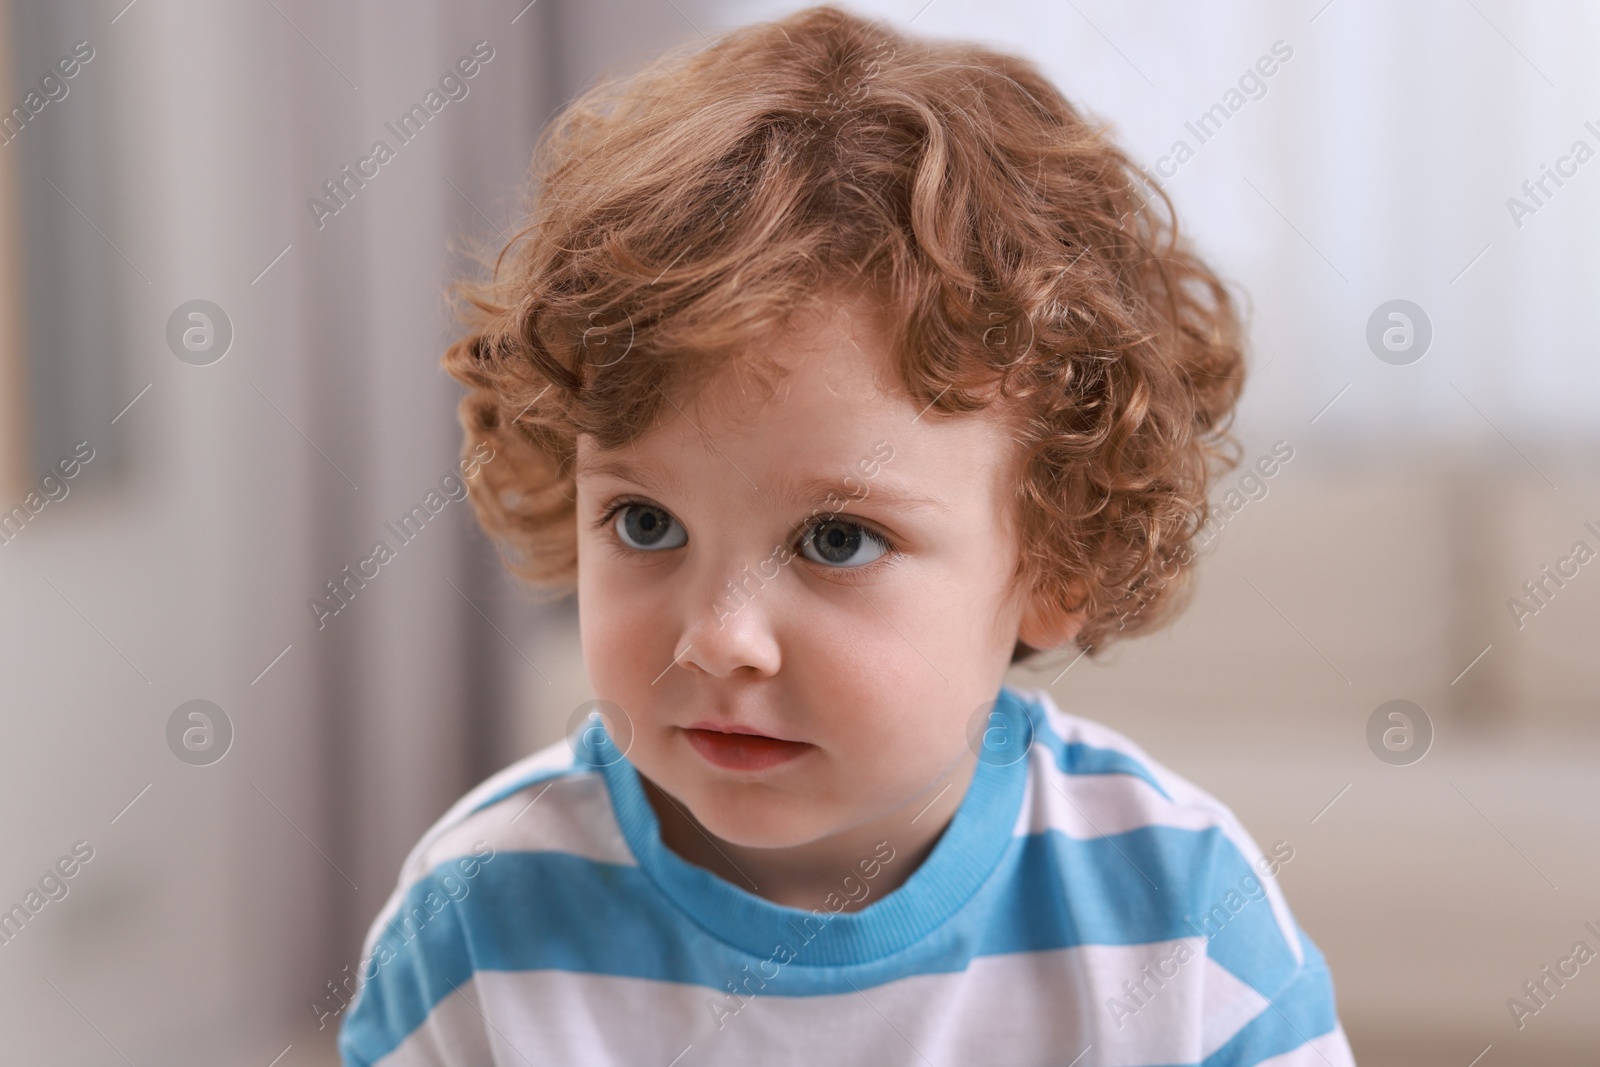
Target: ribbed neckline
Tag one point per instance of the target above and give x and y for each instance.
(962, 859)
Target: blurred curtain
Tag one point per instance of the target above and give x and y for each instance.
(181, 164)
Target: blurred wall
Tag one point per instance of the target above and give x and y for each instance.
(222, 497)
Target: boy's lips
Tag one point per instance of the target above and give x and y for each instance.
(737, 748)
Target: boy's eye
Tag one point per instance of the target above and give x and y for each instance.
(837, 543)
(649, 528)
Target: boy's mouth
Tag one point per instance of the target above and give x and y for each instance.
(736, 750)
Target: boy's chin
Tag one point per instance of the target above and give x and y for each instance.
(756, 822)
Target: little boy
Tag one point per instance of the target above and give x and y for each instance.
(837, 371)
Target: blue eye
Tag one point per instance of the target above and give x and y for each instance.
(648, 528)
(838, 543)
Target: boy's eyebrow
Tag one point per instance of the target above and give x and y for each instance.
(617, 467)
(814, 489)
(817, 489)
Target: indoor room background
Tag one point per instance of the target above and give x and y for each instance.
(217, 396)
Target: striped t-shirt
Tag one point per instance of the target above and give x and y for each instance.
(1085, 906)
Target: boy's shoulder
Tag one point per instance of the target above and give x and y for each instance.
(1103, 764)
(549, 801)
(1129, 819)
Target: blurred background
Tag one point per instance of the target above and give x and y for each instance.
(224, 467)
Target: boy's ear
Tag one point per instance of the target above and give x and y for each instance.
(1048, 626)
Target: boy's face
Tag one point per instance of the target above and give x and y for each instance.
(833, 681)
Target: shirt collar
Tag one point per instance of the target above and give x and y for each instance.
(962, 859)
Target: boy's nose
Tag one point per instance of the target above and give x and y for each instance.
(729, 628)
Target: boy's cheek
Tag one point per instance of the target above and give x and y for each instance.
(627, 601)
(605, 656)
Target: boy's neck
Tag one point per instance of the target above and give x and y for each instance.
(803, 876)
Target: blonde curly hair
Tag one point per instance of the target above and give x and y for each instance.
(682, 213)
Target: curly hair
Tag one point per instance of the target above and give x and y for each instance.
(678, 215)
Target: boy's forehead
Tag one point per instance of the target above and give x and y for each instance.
(830, 359)
(840, 341)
